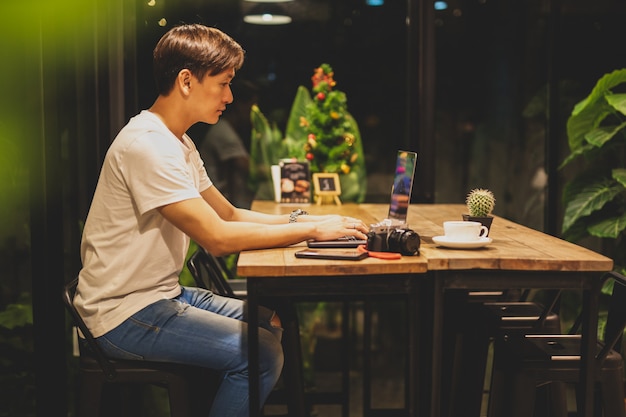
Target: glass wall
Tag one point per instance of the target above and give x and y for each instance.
(364, 44)
(508, 75)
(505, 77)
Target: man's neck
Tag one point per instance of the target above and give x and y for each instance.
(167, 111)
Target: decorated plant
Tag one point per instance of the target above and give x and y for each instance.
(480, 202)
(331, 139)
(320, 129)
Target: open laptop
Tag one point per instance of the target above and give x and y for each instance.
(402, 187)
(398, 206)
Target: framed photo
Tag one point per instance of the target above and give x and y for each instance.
(327, 185)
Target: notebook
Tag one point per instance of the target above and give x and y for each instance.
(401, 189)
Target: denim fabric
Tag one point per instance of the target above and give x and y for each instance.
(203, 329)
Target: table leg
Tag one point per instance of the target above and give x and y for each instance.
(253, 348)
(437, 343)
(345, 358)
(590, 309)
(416, 359)
(367, 356)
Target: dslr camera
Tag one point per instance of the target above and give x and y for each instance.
(386, 237)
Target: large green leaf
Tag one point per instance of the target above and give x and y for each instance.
(619, 175)
(292, 147)
(601, 88)
(590, 112)
(585, 196)
(577, 231)
(581, 150)
(294, 129)
(264, 141)
(618, 102)
(351, 186)
(602, 135)
(586, 120)
(610, 228)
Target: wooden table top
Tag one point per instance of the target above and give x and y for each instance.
(514, 247)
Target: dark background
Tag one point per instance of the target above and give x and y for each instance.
(481, 90)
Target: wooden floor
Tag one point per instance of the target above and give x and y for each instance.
(387, 391)
(388, 367)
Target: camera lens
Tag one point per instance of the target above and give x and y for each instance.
(406, 242)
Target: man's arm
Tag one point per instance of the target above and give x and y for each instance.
(222, 229)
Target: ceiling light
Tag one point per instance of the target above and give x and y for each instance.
(267, 15)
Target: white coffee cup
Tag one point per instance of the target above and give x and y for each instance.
(464, 231)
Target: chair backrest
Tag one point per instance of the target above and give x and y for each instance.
(553, 298)
(210, 272)
(616, 315)
(94, 350)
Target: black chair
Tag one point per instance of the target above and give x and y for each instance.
(190, 389)
(539, 360)
(210, 272)
(483, 319)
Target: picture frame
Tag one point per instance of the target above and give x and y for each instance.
(327, 186)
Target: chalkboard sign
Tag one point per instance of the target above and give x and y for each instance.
(327, 187)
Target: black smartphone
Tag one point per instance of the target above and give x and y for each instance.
(338, 254)
(344, 242)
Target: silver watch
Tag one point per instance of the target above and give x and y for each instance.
(293, 217)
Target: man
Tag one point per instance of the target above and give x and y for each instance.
(152, 197)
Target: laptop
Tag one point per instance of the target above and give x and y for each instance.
(398, 206)
(402, 187)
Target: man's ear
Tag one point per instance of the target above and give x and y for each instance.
(183, 81)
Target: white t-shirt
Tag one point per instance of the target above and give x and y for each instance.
(131, 255)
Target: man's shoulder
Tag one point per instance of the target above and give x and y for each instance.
(144, 121)
(142, 127)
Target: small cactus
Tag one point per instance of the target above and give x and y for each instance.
(480, 202)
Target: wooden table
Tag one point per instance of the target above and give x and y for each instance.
(277, 272)
(518, 257)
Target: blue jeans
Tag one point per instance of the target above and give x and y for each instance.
(202, 329)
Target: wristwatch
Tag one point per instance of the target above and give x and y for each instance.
(293, 217)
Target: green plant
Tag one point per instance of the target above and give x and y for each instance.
(480, 202)
(330, 145)
(595, 199)
(319, 129)
(17, 372)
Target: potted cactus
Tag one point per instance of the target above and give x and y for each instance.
(480, 203)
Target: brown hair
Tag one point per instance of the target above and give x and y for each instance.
(198, 48)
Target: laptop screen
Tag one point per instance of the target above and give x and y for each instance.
(402, 186)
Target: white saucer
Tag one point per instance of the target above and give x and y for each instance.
(479, 243)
